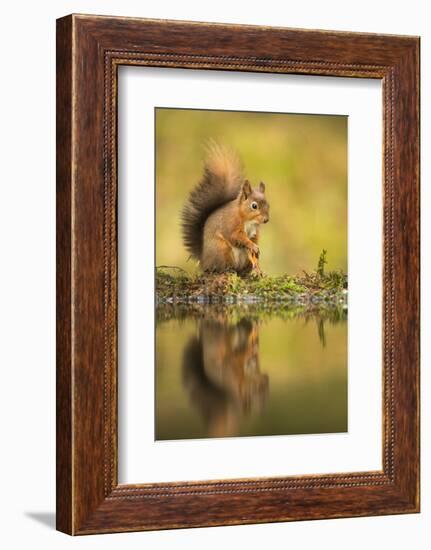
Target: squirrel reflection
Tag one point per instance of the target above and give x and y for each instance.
(221, 373)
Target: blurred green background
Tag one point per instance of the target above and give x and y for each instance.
(301, 158)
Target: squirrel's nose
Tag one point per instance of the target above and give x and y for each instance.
(266, 219)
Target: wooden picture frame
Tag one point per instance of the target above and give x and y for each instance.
(89, 51)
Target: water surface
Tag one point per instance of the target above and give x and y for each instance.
(220, 374)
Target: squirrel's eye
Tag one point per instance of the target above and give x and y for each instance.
(254, 205)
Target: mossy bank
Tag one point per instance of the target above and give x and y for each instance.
(316, 290)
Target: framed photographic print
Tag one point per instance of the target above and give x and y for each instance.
(237, 274)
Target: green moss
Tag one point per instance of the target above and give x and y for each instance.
(311, 290)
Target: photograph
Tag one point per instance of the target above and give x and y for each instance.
(214, 236)
(251, 273)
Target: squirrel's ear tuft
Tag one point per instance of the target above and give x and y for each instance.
(262, 187)
(246, 189)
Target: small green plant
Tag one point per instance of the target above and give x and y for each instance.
(321, 263)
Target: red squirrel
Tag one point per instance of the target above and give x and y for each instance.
(222, 216)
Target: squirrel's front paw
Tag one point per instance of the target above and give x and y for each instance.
(255, 249)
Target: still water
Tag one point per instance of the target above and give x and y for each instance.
(221, 375)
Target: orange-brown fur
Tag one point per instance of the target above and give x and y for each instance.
(222, 217)
(222, 374)
(231, 233)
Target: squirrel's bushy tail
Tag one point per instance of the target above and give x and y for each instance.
(220, 184)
